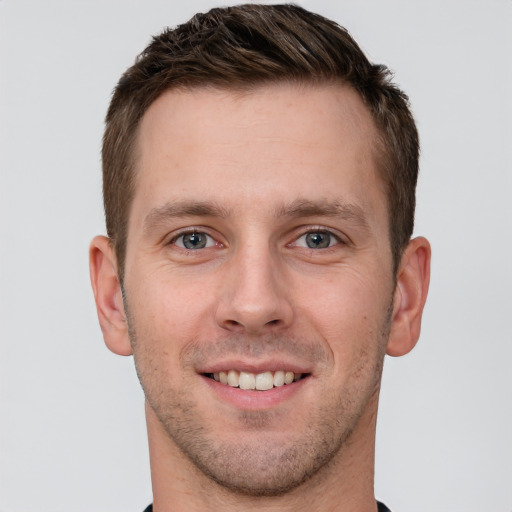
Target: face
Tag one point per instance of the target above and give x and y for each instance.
(258, 254)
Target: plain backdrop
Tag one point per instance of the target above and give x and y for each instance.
(72, 432)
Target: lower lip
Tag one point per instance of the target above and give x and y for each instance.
(252, 400)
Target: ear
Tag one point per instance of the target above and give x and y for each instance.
(108, 296)
(410, 296)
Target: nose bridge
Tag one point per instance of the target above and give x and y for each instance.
(254, 298)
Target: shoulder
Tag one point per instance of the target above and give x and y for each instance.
(381, 507)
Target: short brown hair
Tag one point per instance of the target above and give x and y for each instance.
(243, 47)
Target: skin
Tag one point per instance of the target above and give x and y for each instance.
(254, 175)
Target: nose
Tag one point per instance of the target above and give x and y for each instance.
(254, 298)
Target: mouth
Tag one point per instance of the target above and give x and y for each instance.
(256, 381)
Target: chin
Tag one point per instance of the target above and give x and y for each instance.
(262, 468)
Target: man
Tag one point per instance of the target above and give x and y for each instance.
(259, 187)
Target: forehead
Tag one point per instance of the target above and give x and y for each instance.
(276, 143)
(208, 110)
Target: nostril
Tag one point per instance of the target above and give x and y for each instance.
(273, 322)
(233, 324)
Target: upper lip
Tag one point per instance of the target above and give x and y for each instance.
(255, 366)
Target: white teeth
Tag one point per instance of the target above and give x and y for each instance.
(247, 381)
(233, 378)
(278, 378)
(261, 381)
(264, 381)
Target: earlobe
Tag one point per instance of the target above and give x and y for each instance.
(410, 296)
(108, 296)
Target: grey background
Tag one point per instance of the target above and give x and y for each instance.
(72, 432)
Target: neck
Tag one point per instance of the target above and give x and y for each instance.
(343, 485)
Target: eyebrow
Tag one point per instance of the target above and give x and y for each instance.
(296, 209)
(337, 209)
(178, 209)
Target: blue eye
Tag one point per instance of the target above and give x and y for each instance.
(317, 240)
(195, 240)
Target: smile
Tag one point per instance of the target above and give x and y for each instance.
(252, 381)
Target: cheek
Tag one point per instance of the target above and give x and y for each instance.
(350, 298)
(350, 314)
(172, 307)
(164, 318)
